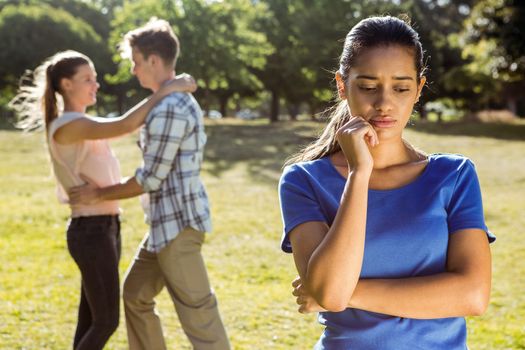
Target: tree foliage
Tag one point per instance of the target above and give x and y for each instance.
(218, 44)
(29, 34)
(287, 48)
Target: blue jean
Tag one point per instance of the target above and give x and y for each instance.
(94, 243)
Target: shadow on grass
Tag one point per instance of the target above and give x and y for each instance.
(491, 130)
(262, 147)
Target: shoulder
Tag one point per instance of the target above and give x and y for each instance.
(179, 103)
(450, 170)
(305, 171)
(63, 119)
(454, 163)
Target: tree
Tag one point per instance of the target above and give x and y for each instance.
(32, 30)
(492, 41)
(29, 34)
(218, 45)
(307, 36)
(435, 21)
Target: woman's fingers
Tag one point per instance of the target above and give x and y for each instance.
(296, 282)
(360, 127)
(298, 291)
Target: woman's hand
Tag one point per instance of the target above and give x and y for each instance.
(354, 138)
(305, 301)
(182, 83)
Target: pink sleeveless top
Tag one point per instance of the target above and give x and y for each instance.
(92, 158)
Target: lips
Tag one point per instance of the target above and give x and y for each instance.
(382, 122)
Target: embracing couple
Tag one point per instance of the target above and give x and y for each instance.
(175, 202)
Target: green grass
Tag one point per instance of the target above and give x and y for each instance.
(39, 282)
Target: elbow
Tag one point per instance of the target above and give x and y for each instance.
(333, 301)
(333, 305)
(478, 306)
(478, 301)
(332, 295)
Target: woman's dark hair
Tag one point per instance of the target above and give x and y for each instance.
(369, 33)
(37, 102)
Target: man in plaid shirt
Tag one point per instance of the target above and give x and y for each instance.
(175, 205)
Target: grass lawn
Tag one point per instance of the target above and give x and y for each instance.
(39, 282)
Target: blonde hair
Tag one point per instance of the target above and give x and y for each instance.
(37, 104)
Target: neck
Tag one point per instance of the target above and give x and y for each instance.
(391, 152)
(162, 79)
(72, 106)
(387, 153)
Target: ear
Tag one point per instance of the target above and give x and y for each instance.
(65, 84)
(422, 83)
(154, 60)
(341, 89)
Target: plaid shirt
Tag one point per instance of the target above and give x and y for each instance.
(172, 142)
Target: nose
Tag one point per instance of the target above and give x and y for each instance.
(383, 102)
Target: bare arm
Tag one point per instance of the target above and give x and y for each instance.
(92, 194)
(463, 290)
(102, 128)
(329, 260)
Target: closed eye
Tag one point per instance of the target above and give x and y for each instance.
(402, 90)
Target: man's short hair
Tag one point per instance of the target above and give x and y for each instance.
(155, 37)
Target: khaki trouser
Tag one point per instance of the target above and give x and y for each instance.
(180, 267)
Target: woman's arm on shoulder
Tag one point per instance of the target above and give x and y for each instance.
(463, 290)
(90, 128)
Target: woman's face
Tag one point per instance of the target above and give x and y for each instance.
(382, 88)
(83, 86)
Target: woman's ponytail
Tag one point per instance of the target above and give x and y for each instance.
(49, 101)
(37, 102)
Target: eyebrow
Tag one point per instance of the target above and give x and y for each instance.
(369, 77)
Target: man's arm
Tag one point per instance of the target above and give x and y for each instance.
(91, 194)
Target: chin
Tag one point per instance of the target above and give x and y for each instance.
(143, 84)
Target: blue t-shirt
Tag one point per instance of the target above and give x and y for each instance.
(407, 233)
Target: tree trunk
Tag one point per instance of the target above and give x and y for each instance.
(120, 103)
(293, 111)
(512, 104)
(206, 98)
(274, 113)
(423, 113)
(223, 100)
(311, 109)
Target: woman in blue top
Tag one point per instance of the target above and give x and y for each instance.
(390, 243)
